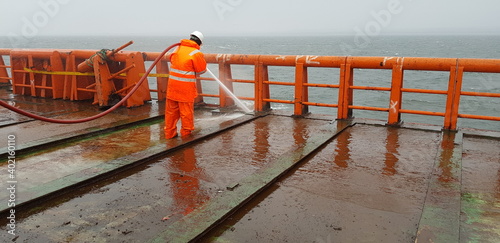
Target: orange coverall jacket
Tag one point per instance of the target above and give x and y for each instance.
(186, 62)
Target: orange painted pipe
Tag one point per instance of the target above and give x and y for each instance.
(5, 51)
(495, 95)
(428, 113)
(424, 91)
(371, 88)
(322, 85)
(279, 101)
(347, 66)
(409, 63)
(490, 118)
(368, 108)
(480, 65)
(428, 64)
(121, 48)
(86, 66)
(320, 104)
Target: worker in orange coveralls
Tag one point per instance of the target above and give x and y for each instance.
(187, 62)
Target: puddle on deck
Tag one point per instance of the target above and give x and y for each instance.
(368, 184)
(130, 207)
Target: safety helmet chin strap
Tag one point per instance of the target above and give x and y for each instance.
(196, 39)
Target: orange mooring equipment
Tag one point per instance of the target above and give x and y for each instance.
(105, 76)
(85, 74)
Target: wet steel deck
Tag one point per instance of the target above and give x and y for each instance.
(243, 178)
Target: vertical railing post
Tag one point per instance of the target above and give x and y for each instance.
(44, 85)
(56, 64)
(32, 81)
(225, 77)
(199, 88)
(396, 94)
(345, 91)
(69, 91)
(453, 97)
(162, 82)
(301, 91)
(261, 89)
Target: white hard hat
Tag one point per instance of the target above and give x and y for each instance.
(198, 34)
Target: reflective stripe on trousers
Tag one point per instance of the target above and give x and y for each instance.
(178, 110)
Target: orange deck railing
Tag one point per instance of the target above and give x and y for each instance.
(346, 86)
(347, 67)
(4, 77)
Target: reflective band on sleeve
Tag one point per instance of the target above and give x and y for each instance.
(194, 52)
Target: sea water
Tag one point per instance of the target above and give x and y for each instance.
(398, 46)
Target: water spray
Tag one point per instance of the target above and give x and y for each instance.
(238, 101)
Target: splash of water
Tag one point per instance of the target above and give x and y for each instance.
(238, 101)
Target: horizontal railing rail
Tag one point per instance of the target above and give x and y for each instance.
(346, 85)
(347, 65)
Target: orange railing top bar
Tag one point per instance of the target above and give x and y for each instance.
(5, 51)
(409, 63)
(456, 67)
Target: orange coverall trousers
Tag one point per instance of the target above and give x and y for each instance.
(174, 111)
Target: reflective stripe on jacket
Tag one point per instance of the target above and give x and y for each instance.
(186, 63)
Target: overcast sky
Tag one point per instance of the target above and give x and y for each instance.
(247, 17)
